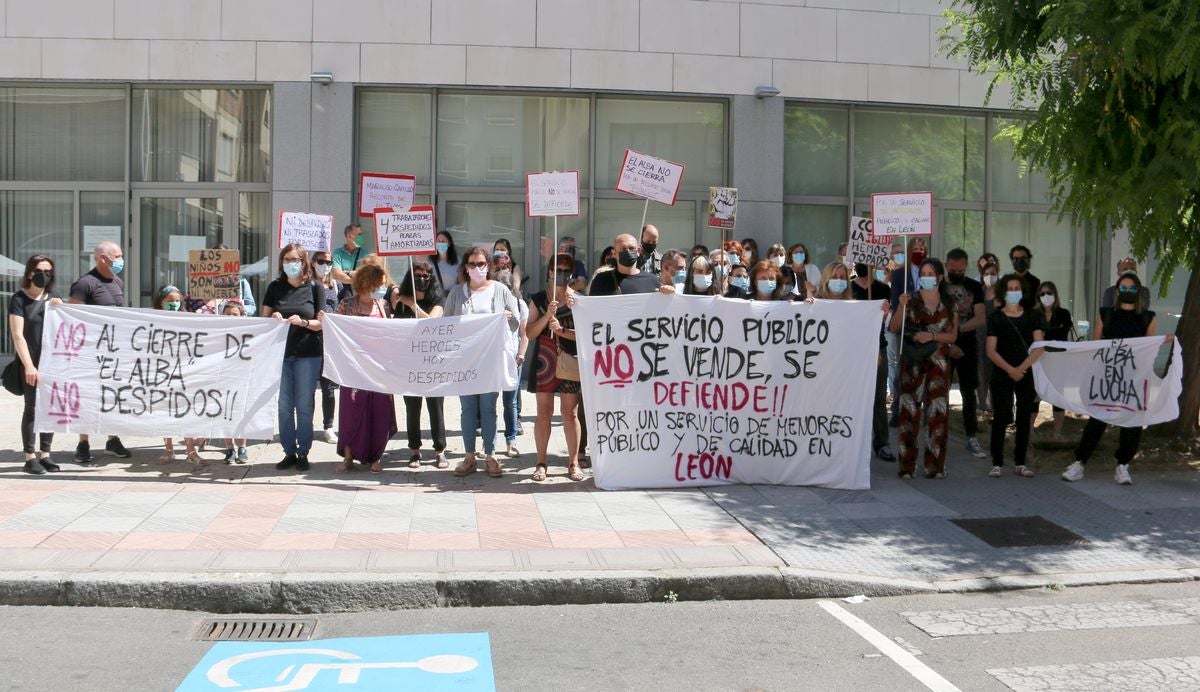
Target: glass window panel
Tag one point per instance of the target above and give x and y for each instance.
(62, 134)
(99, 213)
(1012, 180)
(494, 140)
(394, 133)
(820, 228)
(908, 152)
(687, 132)
(963, 229)
(201, 135)
(1053, 246)
(33, 223)
(483, 223)
(573, 226)
(676, 225)
(163, 217)
(814, 155)
(256, 241)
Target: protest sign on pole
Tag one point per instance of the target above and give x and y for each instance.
(214, 274)
(722, 207)
(863, 247)
(125, 371)
(649, 177)
(1112, 380)
(400, 232)
(702, 390)
(385, 190)
(552, 194)
(437, 356)
(902, 213)
(313, 232)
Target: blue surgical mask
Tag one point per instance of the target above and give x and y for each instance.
(928, 283)
(798, 257)
(702, 282)
(172, 305)
(1013, 297)
(766, 286)
(292, 269)
(735, 260)
(742, 282)
(838, 285)
(379, 292)
(118, 265)
(680, 277)
(898, 258)
(880, 275)
(443, 248)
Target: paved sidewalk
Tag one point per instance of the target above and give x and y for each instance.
(253, 538)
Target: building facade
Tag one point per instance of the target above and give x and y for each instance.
(169, 124)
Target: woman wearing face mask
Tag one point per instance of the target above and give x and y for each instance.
(322, 264)
(719, 261)
(834, 283)
(26, 315)
(478, 294)
(987, 258)
(733, 250)
(787, 284)
(1010, 331)
(766, 281)
(426, 302)
(366, 419)
(504, 248)
(991, 276)
(777, 255)
(446, 263)
(297, 299)
(170, 298)
(864, 288)
(930, 326)
(699, 279)
(749, 252)
(804, 268)
(739, 282)
(1057, 320)
(552, 327)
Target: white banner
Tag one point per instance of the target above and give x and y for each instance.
(1113, 381)
(646, 176)
(123, 371)
(437, 356)
(699, 390)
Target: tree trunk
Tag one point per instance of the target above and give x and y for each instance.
(1188, 334)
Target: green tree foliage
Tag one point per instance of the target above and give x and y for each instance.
(1112, 88)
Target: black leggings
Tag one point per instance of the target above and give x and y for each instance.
(1127, 444)
(1003, 392)
(27, 424)
(437, 423)
(328, 401)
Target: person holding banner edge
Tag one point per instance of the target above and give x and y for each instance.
(26, 312)
(930, 326)
(416, 297)
(553, 330)
(294, 297)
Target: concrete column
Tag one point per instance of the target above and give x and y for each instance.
(290, 146)
(756, 151)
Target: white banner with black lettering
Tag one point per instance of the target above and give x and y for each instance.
(1114, 381)
(436, 356)
(697, 390)
(125, 371)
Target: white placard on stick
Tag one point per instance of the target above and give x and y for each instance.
(552, 194)
(863, 247)
(313, 232)
(400, 232)
(385, 190)
(902, 213)
(649, 177)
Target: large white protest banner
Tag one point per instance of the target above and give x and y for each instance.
(124, 371)
(385, 190)
(552, 194)
(902, 213)
(313, 232)
(400, 232)
(699, 390)
(649, 177)
(1114, 380)
(437, 356)
(863, 247)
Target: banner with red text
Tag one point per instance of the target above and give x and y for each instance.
(125, 371)
(699, 390)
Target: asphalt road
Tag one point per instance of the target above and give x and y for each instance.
(983, 642)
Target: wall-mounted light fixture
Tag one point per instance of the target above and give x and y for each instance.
(765, 91)
(325, 77)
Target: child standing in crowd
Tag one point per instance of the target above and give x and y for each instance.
(1010, 332)
(323, 271)
(366, 419)
(1057, 320)
(170, 298)
(425, 302)
(235, 450)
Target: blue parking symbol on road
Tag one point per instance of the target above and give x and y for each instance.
(408, 662)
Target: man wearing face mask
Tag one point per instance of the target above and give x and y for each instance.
(674, 272)
(628, 277)
(966, 296)
(101, 286)
(345, 258)
(1021, 259)
(1126, 266)
(650, 260)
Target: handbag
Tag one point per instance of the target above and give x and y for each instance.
(566, 366)
(918, 353)
(14, 377)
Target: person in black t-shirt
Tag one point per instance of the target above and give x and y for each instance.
(967, 296)
(1058, 328)
(627, 278)
(1021, 259)
(26, 311)
(1010, 332)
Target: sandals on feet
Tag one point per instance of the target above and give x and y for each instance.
(441, 462)
(167, 457)
(344, 466)
(414, 461)
(995, 472)
(574, 473)
(493, 467)
(467, 467)
(377, 466)
(539, 473)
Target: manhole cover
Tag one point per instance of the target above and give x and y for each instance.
(264, 630)
(1019, 532)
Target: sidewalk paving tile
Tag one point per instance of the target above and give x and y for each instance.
(251, 560)
(329, 560)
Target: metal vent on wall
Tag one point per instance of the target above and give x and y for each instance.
(265, 630)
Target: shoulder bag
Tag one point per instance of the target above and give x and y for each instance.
(14, 377)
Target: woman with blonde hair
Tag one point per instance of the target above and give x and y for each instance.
(835, 282)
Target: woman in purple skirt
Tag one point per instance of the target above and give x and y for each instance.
(366, 419)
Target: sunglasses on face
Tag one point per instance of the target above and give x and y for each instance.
(324, 263)
(1046, 294)
(477, 265)
(1128, 289)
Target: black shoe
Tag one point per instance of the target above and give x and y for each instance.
(229, 455)
(288, 462)
(115, 448)
(242, 456)
(35, 467)
(49, 465)
(885, 454)
(83, 454)
(894, 422)
(302, 462)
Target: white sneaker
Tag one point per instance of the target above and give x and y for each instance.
(995, 472)
(1121, 476)
(1074, 472)
(975, 449)
(330, 436)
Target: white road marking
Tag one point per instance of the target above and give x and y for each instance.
(924, 674)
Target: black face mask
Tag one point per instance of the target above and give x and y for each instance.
(628, 258)
(861, 270)
(649, 248)
(611, 261)
(1021, 264)
(956, 277)
(41, 279)
(422, 282)
(1128, 298)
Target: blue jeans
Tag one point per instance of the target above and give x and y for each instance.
(481, 407)
(511, 412)
(296, 387)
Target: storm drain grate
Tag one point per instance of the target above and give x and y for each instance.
(1019, 532)
(268, 630)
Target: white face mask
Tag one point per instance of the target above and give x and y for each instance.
(702, 282)
(478, 274)
(777, 260)
(1046, 300)
(989, 280)
(322, 269)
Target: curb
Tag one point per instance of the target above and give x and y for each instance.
(305, 593)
